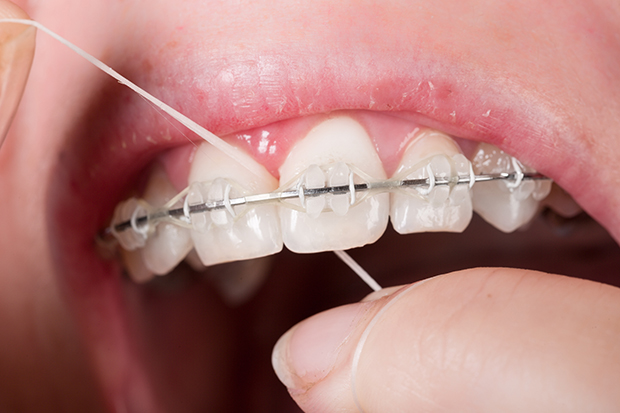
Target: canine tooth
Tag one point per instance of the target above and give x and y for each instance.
(168, 244)
(441, 208)
(218, 236)
(337, 140)
(507, 205)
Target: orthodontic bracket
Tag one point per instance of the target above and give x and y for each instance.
(141, 224)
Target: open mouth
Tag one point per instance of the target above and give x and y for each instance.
(167, 342)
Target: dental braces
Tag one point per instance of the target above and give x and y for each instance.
(141, 218)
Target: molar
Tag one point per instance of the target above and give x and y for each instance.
(443, 208)
(310, 227)
(507, 205)
(235, 233)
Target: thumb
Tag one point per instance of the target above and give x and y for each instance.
(16, 53)
(474, 340)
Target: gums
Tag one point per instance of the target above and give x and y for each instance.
(119, 137)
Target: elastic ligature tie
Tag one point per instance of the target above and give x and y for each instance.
(141, 221)
(142, 217)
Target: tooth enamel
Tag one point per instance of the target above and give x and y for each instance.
(314, 178)
(193, 260)
(507, 205)
(442, 207)
(169, 243)
(339, 176)
(232, 233)
(136, 236)
(237, 282)
(332, 144)
(562, 203)
(134, 265)
(219, 190)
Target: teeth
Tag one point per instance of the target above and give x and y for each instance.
(338, 154)
(129, 210)
(233, 233)
(169, 243)
(507, 205)
(562, 203)
(314, 178)
(134, 265)
(237, 282)
(312, 228)
(440, 208)
(193, 260)
(340, 175)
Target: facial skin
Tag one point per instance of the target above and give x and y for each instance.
(78, 336)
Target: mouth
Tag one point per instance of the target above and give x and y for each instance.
(151, 338)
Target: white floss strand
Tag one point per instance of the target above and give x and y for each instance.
(190, 124)
(184, 120)
(346, 258)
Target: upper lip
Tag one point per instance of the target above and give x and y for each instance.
(260, 89)
(265, 88)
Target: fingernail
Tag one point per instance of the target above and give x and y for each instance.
(309, 351)
(16, 54)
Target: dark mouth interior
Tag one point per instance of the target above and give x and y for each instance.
(299, 286)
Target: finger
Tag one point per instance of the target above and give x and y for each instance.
(474, 340)
(17, 44)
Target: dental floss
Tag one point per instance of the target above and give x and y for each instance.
(214, 140)
(226, 148)
(346, 258)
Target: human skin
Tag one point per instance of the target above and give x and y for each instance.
(77, 336)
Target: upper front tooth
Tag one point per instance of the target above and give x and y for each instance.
(432, 208)
(507, 205)
(233, 233)
(169, 243)
(314, 178)
(332, 144)
(340, 175)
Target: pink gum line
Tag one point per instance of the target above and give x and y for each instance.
(269, 145)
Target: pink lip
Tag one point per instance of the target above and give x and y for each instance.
(248, 92)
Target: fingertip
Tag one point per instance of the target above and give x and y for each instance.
(9, 10)
(481, 339)
(494, 339)
(17, 44)
(308, 352)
